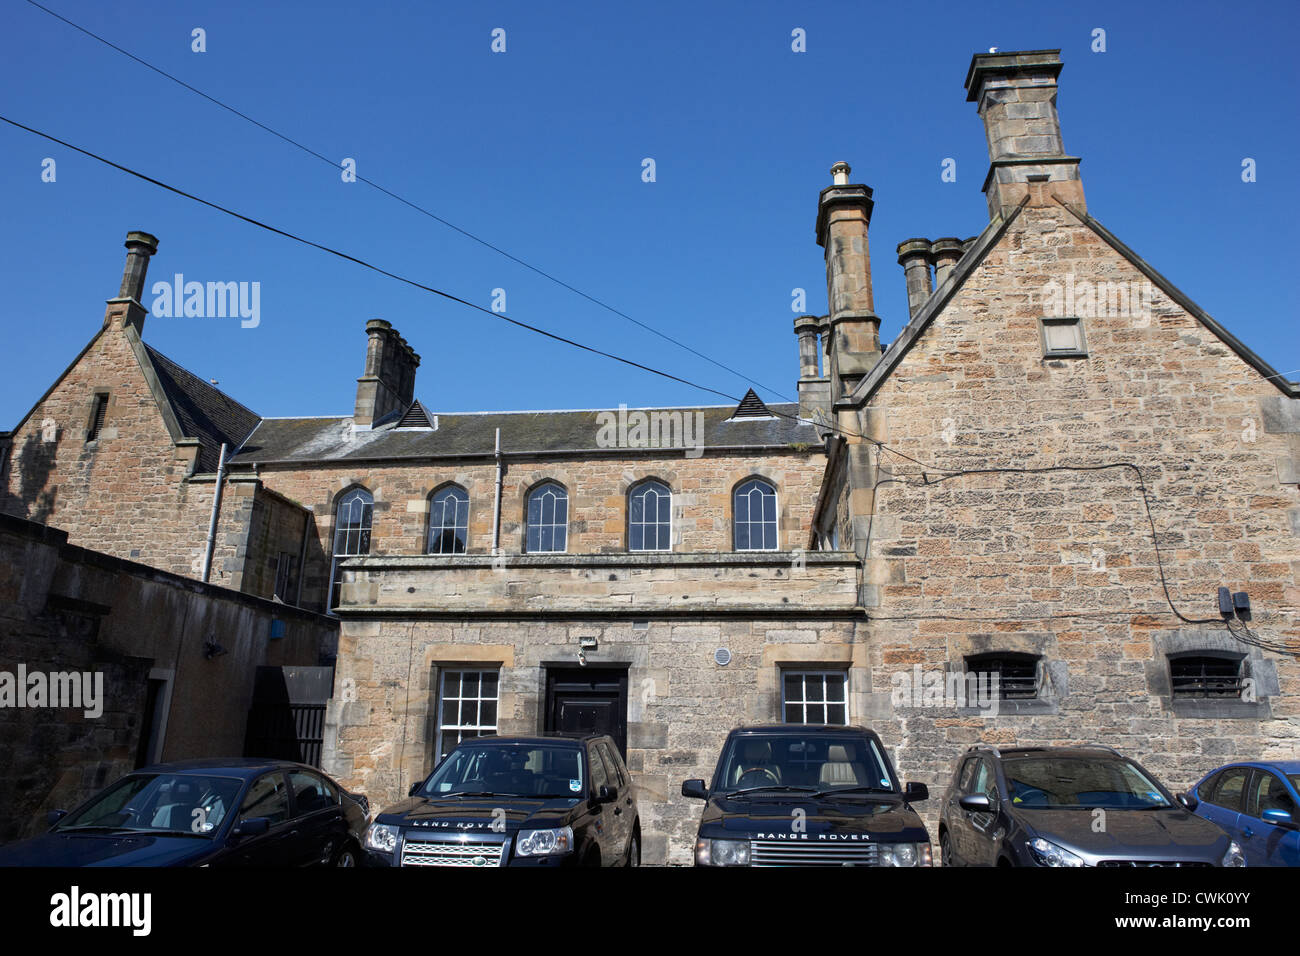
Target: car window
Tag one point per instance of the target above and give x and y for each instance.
(611, 765)
(967, 774)
(985, 780)
(599, 778)
(267, 797)
(310, 793)
(1267, 793)
(1227, 789)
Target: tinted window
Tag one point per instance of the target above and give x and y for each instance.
(185, 802)
(309, 792)
(1227, 788)
(985, 779)
(819, 761)
(967, 774)
(615, 760)
(599, 778)
(1267, 793)
(482, 766)
(267, 797)
(1052, 782)
(611, 766)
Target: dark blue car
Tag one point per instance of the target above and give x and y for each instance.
(205, 813)
(1259, 805)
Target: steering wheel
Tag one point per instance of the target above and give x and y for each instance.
(761, 777)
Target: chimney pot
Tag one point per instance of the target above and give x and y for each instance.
(914, 257)
(388, 383)
(945, 254)
(840, 173)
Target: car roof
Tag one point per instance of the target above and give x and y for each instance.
(549, 737)
(1278, 766)
(226, 766)
(801, 729)
(1076, 751)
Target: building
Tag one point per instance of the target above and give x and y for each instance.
(971, 499)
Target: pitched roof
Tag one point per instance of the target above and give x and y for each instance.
(201, 410)
(473, 435)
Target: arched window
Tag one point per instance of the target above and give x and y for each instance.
(650, 517)
(352, 519)
(448, 521)
(548, 519)
(754, 516)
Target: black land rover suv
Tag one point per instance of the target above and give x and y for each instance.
(557, 800)
(1071, 806)
(798, 795)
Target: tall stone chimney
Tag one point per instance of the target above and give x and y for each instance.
(843, 217)
(127, 309)
(1016, 97)
(814, 385)
(388, 384)
(914, 257)
(944, 254)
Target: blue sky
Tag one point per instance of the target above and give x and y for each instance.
(539, 150)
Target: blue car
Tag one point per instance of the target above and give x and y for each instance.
(1259, 805)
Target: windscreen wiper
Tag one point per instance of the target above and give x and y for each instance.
(835, 790)
(778, 788)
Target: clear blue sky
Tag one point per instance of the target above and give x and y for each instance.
(539, 150)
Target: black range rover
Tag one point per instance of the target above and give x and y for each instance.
(798, 795)
(515, 801)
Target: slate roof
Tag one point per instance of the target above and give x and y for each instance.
(474, 434)
(203, 411)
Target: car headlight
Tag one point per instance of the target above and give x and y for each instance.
(381, 837)
(544, 842)
(1049, 854)
(905, 854)
(1234, 856)
(721, 852)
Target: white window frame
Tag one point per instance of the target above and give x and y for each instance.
(735, 517)
(660, 488)
(481, 729)
(536, 492)
(455, 527)
(803, 673)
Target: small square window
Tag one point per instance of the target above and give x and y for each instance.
(1063, 338)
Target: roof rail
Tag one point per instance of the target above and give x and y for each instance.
(1102, 747)
(997, 753)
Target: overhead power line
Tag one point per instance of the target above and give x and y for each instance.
(409, 203)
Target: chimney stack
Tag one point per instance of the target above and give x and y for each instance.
(1016, 97)
(388, 385)
(127, 309)
(814, 386)
(843, 217)
(945, 253)
(914, 257)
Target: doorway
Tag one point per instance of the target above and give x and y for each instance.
(588, 700)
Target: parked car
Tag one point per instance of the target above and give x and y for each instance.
(241, 812)
(554, 800)
(1071, 806)
(1258, 804)
(798, 795)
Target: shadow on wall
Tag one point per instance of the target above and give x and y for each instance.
(34, 464)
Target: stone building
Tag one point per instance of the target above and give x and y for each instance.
(971, 498)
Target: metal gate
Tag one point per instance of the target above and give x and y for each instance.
(287, 719)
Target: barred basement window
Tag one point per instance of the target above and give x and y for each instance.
(1205, 677)
(1017, 674)
(815, 697)
(97, 412)
(467, 707)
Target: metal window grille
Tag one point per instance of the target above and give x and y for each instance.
(1201, 677)
(1017, 674)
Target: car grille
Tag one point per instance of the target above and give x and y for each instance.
(459, 853)
(1153, 863)
(800, 853)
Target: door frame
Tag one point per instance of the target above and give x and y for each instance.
(610, 671)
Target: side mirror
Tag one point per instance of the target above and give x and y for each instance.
(415, 788)
(975, 803)
(606, 794)
(1189, 802)
(54, 816)
(695, 789)
(915, 792)
(1279, 818)
(253, 826)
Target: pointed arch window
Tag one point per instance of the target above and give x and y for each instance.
(353, 517)
(650, 517)
(754, 516)
(448, 521)
(548, 519)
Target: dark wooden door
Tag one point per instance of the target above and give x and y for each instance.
(589, 701)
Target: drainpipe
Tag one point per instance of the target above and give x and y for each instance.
(302, 558)
(496, 501)
(216, 512)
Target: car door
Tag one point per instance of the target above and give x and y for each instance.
(267, 796)
(319, 828)
(1221, 800)
(621, 811)
(1261, 841)
(984, 831)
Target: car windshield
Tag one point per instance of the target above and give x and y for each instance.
(506, 769)
(1072, 782)
(182, 804)
(822, 763)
